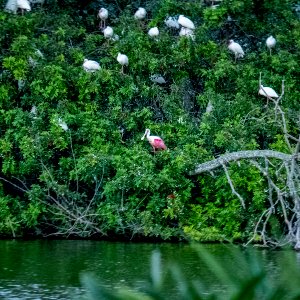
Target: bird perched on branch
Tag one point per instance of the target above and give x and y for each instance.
(172, 23)
(187, 32)
(90, 65)
(267, 92)
(236, 49)
(108, 32)
(156, 78)
(155, 141)
(271, 42)
(140, 14)
(153, 32)
(102, 15)
(123, 60)
(186, 22)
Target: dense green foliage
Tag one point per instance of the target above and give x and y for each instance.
(250, 282)
(98, 178)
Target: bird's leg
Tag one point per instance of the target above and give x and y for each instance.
(104, 24)
(122, 69)
(22, 10)
(153, 149)
(270, 51)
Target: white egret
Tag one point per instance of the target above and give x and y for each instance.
(90, 65)
(23, 5)
(108, 32)
(271, 42)
(11, 6)
(172, 22)
(153, 32)
(209, 107)
(236, 49)
(63, 124)
(187, 32)
(156, 78)
(123, 60)
(186, 22)
(140, 14)
(102, 15)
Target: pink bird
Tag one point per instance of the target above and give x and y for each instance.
(155, 141)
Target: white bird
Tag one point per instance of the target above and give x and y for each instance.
(270, 42)
(108, 32)
(267, 92)
(156, 78)
(140, 14)
(102, 15)
(23, 5)
(123, 60)
(172, 22)
(11, 6)
(153, 32)
(63, 124)
(187, 32)
(186, 22)
(90, 65)
(236, 49)
(209, 107)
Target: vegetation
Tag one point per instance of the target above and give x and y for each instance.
(252, 282)
(95, 177)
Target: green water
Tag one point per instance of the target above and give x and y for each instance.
(51, 269)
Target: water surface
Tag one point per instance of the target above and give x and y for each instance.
(50, 269)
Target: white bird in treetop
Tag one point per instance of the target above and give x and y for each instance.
(267, 92)
(187, 32)
(153, 32)
(236, 49)
(172, 22)
(123, 60)
(23, 5)
(270, 42)
(90, 65)
(14, 5)
(156, 78)
(11, 6)
(155, 141)
(62, 124)
(108, 32)
(140, 14)
(103, 15)
(185, 22)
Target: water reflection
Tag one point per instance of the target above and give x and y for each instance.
(50, 269)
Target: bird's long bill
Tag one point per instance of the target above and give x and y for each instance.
(143, 136)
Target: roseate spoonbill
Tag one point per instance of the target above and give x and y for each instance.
(123, 60)
(187, 32)
(236, 49)
(140, 14)
(153, 32)
(108, 32)
(155, 141)
(102, 15)
(271, 42)
(172, 22)
(157, 79)
(186, 22)
(90, 65)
